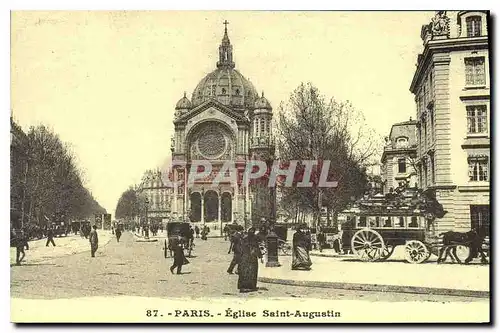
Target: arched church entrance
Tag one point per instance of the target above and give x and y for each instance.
(195, 199)
(211, 206)
(226, 207)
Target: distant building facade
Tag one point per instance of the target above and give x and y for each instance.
(158, 195)
(451, 85)
(399, 156)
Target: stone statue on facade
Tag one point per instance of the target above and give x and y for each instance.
(440, 24)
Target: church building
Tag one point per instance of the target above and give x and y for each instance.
(224, 120)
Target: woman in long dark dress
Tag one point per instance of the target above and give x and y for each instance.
(249, 265)
(300, 250)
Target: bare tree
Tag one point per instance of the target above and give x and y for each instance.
(54, 186)
(311, 128)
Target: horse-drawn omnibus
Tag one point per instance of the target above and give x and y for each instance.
(373, 227)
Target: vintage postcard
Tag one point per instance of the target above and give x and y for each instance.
(250, 166)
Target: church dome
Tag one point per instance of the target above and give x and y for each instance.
(183, 103)
(225, 84)
(262, 103)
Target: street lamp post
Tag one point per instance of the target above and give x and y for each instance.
(146, 229)
(272, 238)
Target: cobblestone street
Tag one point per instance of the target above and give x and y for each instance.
(139, 269)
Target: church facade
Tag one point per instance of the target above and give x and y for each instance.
(225, 120)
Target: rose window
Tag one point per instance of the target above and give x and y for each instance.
(211, 143)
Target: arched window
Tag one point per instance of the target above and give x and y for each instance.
(402, 142)
(262, 126)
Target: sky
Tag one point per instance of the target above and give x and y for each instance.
(108, 82)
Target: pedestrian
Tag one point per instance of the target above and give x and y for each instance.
(179, 258)
(94, 241)
(321, 240)
(225, 232)
(21, 242)
(50, 236)
(300, 250)
(118, 233)
(204, 233)
(248, 267)
(197, 231)
(191, 237)
(236, 248)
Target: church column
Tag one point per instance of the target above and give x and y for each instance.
(235, 208)
(202, 206)
(218, 212)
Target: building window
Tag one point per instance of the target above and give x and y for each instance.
(425, 174)
(262, 126)
(478, 170)
(420, 176)
(401, 165)
(223, 91)
(476, 119)
(362, 221)
(480, 218)
(431, 121)
(473, 26)
(474, 71)
(424, 124)
(402, 142)
(432, 169)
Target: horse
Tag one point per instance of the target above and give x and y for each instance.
(472, 239)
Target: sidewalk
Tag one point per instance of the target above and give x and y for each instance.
(65, 246)
(394, 275)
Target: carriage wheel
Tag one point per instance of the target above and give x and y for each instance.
(367, 244)
(387, 252)
(416, 252)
